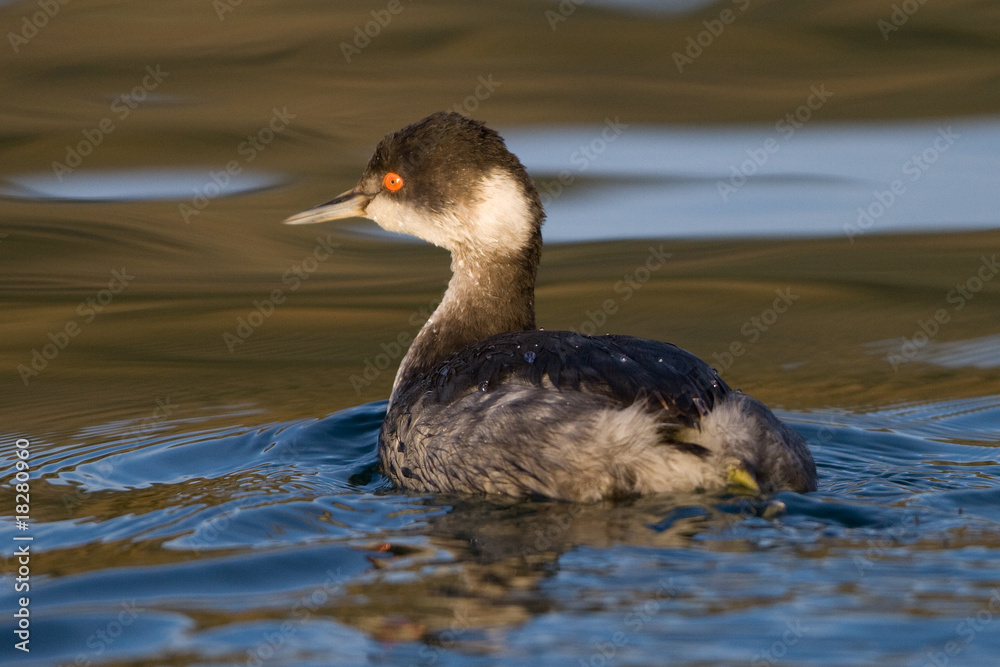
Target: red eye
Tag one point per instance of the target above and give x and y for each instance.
(392, 181)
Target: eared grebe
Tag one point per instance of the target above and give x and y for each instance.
(485, 402)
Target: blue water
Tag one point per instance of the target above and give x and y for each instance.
(229, 530)
(280, 543)
(842, 180)
(789, 178)
(133, 185)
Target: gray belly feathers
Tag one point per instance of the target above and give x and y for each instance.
(564, 416)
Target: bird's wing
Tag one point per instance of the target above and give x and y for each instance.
(622, 368)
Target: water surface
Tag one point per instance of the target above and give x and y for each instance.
(200, 388)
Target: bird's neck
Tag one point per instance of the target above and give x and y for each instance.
(487, 295)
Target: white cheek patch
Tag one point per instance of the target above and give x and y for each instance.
(395, 216)
(501, 218)
(498, 219)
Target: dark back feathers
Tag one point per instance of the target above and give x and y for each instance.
(623, 368)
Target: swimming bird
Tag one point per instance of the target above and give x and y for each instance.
(485, 402)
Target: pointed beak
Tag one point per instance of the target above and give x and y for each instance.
(350, 204)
